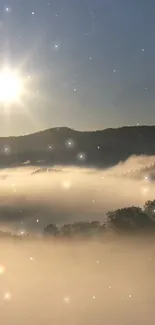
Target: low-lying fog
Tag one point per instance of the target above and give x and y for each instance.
(42, 282)
(69, 194)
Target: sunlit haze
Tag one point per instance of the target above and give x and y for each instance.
(77, 162)
(10, 86)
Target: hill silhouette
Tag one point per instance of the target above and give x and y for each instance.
(64, 146)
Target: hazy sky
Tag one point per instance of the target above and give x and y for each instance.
(89, 63)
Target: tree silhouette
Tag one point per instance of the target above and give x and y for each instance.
(51, 230)
(77, 229)
(125, 219)
(128, 219)
(149, 209)
(85, 229)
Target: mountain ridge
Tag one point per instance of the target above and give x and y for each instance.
(66, 146)
(65, 128)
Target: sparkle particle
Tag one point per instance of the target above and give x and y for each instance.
(66, 185)
(67, 299)
(145, 190)
(7, 150)
(7, 9)
(7, 296)
(56, 46)
(81, 156)
(70, 143)
(2, 269)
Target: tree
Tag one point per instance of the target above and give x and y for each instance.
(131, 218)
(51, 230)
(66, 230)
(82, 229)
(149, 209)
(75, 229)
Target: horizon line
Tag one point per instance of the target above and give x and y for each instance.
(79, 131)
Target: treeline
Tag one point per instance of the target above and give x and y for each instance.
(130, 219)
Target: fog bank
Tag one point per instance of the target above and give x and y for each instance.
(80, 283)
(62, 194)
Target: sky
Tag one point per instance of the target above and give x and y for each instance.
(85, 64)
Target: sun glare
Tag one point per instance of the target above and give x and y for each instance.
(10, 86)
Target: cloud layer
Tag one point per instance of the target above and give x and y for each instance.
(69, 194)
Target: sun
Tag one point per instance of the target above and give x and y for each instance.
(10, 86)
